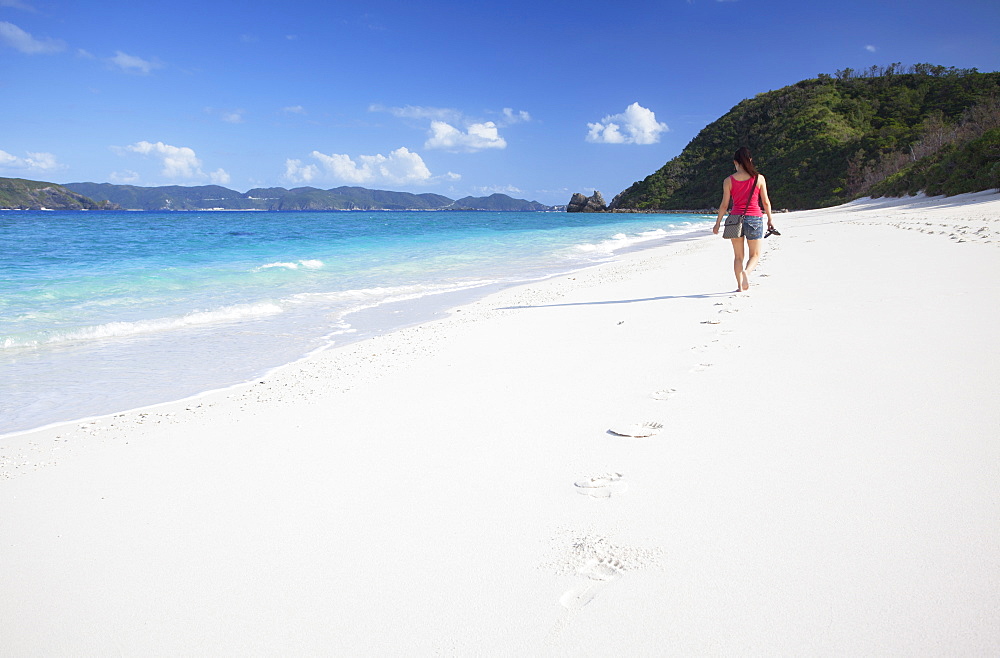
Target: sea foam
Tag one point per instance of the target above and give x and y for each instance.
(307, 264)
(620, 241)
(233, 313)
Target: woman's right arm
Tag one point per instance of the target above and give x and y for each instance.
(765, 202)
(724, 206)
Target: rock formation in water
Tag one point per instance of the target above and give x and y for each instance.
(580, 203)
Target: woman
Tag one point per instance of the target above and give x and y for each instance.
(748, 190)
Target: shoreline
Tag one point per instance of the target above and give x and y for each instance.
(824, 479)
(427, 314)
(367, 321)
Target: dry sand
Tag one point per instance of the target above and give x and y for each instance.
(826, 480)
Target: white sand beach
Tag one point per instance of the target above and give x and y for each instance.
(826, 480)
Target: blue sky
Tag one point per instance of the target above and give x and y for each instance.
(536, 100)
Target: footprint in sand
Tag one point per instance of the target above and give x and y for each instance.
(596, 562)
(601, 486)
(579, 596)
(637, 430)
(599, 572)
(663, 394)
(701, 367)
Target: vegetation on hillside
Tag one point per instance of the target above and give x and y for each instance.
(20, 194)
(207, 197)
(498, 203)
(948, 160)
(168, 197)
(825, 141)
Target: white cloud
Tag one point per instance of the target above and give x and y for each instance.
(124, 177)
(477, 137)
(133, 64)
(17, 4)
(294, 109)
(400, 167)
(296, 172)
(42, 161)
(636, 125)
(510, 117)
(606, 132)
(34, 162)
(452, 130)
(418, 112)
(871, 48)
(232, 116)
(229, 116)
(449, 115)
(179, 162)
(342, 167)
(499, 189)
(18, 39)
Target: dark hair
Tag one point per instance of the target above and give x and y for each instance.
(742, 156)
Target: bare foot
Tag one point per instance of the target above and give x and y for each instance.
(744, 282)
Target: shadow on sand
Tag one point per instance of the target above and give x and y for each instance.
(707, 295)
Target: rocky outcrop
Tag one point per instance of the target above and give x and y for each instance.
(576, 203)
(580, 203)
(616, 202)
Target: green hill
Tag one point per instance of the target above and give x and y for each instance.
(208, 197)
(497, 202)
(20, 194)
(170, 197)
(828, 140)
(356, 198)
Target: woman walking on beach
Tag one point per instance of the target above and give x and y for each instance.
(748, 190)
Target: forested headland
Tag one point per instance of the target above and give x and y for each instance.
(827, 140)
(36, 195)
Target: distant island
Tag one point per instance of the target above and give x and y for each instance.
(881, 131)
(16, 193)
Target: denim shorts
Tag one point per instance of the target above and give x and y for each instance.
(753, 228)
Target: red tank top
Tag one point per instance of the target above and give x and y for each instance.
(738, 190)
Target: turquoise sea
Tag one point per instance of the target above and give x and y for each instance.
(108, 311)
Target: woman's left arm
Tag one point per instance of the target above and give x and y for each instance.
(765, 202)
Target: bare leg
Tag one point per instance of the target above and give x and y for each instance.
(738, 263)
(753, 246)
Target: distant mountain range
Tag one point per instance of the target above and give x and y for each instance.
(214, 197)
